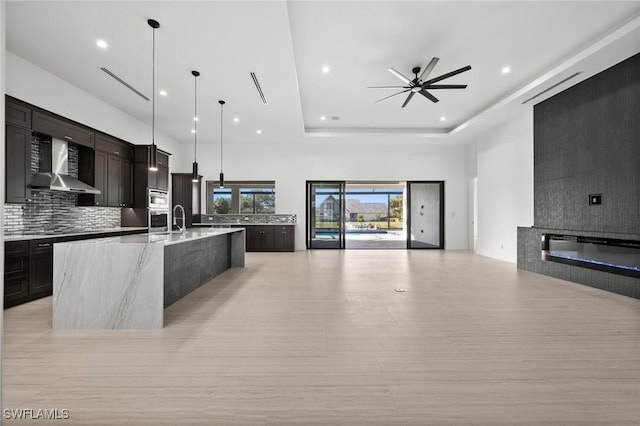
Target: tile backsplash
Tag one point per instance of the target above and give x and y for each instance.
(246, 218)
(55, 211)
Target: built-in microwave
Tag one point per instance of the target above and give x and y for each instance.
(158, 206)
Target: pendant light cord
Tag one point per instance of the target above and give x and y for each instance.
(153, 89)
(195, 118)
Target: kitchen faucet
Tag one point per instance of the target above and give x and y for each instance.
(182, 228)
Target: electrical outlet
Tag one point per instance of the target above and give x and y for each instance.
(595, 199)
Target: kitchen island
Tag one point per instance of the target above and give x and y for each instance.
(126, 282)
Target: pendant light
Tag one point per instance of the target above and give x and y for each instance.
(153, 161)
(194, 173)
(221, 121)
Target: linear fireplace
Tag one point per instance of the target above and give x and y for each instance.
(604, 254)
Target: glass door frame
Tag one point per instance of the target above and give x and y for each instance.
(310, 213)
(408, 213)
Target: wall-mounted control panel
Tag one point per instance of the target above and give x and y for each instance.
(595, 199)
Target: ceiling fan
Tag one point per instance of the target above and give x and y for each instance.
(419, 85)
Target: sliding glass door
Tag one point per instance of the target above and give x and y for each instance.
(425, 218)
(325, 213)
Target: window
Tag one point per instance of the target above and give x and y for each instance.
(257, 200)
(221, 201)
(241, 197)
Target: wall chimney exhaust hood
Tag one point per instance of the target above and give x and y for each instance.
(54, 170)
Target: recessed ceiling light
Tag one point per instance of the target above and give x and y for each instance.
(443, 118)
(322, 117)
(196, 119)
(259, 131)
(236, 119)
(102, 44)
(193, 130)
(326, 69)
(506, 70)
(163, 93)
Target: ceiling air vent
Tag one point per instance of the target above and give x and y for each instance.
(258, 88)
(553, 87)
(124, 83)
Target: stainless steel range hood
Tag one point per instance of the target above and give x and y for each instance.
(54, 170)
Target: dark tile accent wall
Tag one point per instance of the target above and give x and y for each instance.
(530, 259)
(55, 211)
(587, 141)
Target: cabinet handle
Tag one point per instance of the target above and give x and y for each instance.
(69, 138)
(116, 152)
(44, 244)
(97, 203)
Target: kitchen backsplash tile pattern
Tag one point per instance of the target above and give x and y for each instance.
(54, 211)
(247, 218)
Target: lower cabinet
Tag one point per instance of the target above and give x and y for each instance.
(269, 238)
(41, 267)
(16, 272)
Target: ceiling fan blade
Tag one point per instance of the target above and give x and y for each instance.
(445, 86)
(399, 75)
(429, 68)
(428, 96)
(408, 99)
(447, 75)
(390, 96)
(388, 87)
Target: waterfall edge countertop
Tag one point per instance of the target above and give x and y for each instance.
(126, 282)
(96, 232)
(165, 238)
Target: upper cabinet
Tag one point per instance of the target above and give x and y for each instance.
(18, 164)
(17, 114)
(61, 128)
(146, 179)
(108, 168)
(17, 152)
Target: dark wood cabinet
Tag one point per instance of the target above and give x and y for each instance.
(186, 193)
(144, 179)
(41, 267)
(18, 164)
(17, 114)
(284, 238)
(269, 238)
(109, 169)
(16, 272)
(260, 238)
(62, 128)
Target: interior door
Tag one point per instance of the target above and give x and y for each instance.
(325, 214)
(425, 215)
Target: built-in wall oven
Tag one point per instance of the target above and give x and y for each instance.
(158, 206)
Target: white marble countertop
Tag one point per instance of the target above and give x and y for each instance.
(97, 232)
(165, 238)
(242, 224)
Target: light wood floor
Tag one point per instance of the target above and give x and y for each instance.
(322, 338)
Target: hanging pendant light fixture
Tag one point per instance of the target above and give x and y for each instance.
(194, 173)
(153, 161)
(221, 121)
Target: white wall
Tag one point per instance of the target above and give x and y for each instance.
(505, 185)
(292, 164)
(36, 86)
(2, 169)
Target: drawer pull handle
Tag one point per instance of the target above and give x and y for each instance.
(44, 244)
(69, 138)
